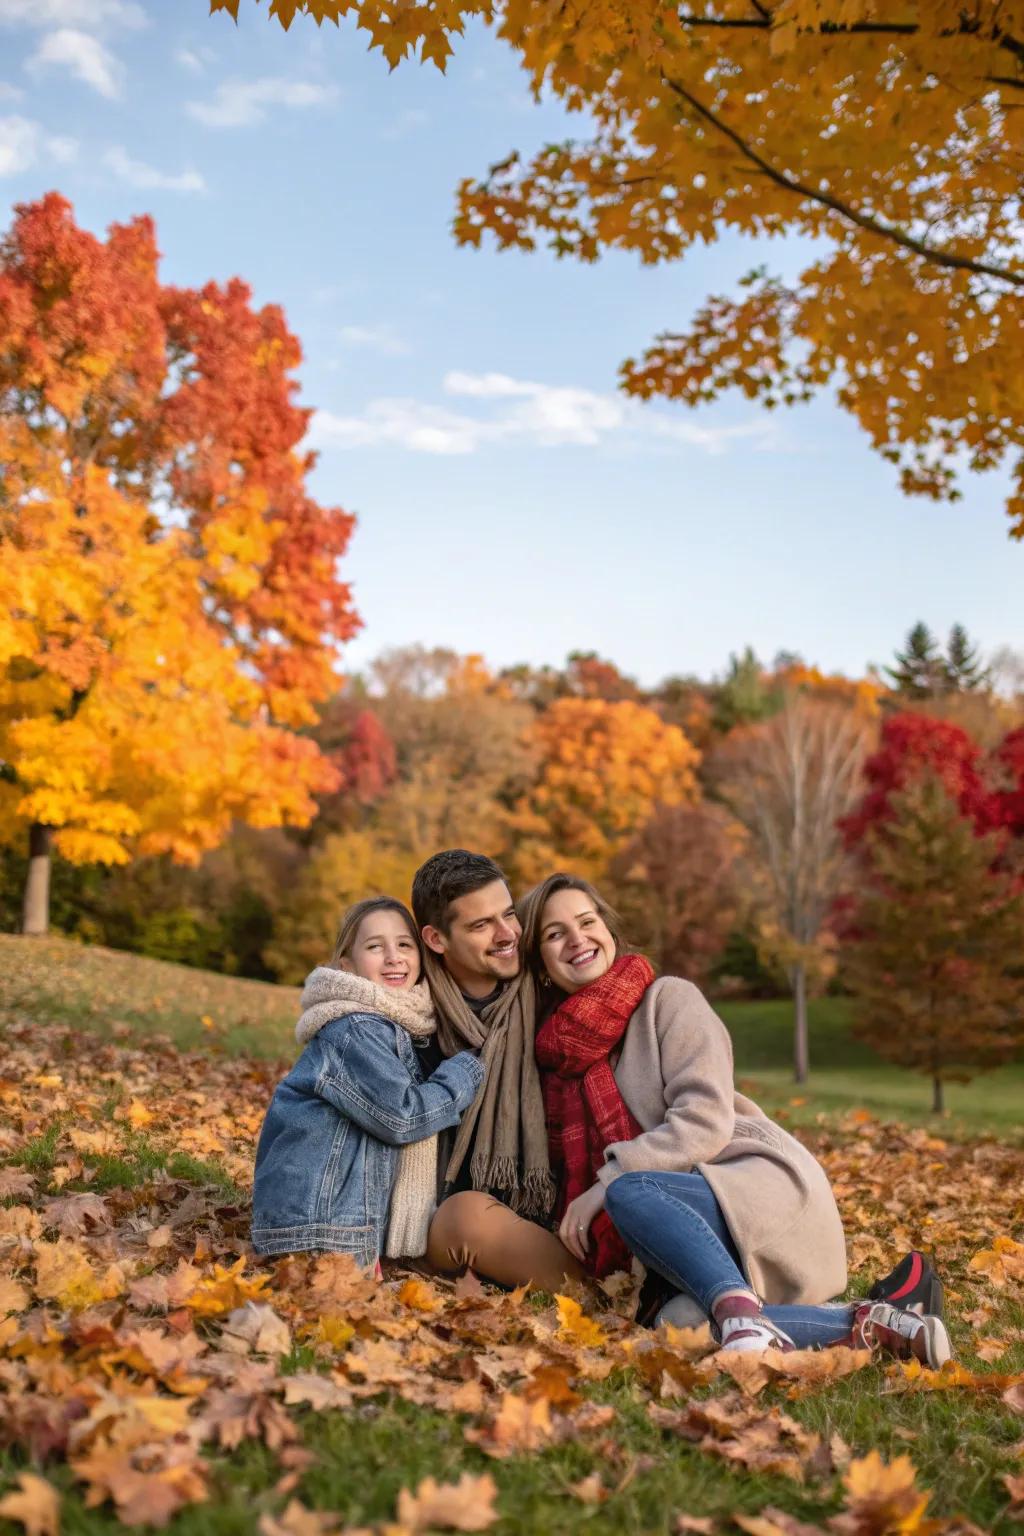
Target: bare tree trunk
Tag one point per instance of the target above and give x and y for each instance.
(938, 1101)
(801, 1061)
(36, 909)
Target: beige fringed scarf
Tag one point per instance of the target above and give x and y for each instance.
(330, 994)
(505, 1122)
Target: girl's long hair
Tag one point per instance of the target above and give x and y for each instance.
(351, 921)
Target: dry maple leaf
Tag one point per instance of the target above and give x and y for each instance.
(991, 1349)
(520, 1425)
(336, 1277)
(65, 1274)
(1002, 1262)
(589, 1490)
(318, 1392)
(225, 1289)
(297, 1520)
(419, 1296)
(882, 1497)
(147, 1496)
(259, 1326)
(15, 1182)
(737, 1431)
(555, 1383)
(1015, 1488)
(1013, 1397)
(467, 1505)
(700, 1525)
(575, 1327)
(36, 1506)
(72, 1214)
(13, 1296)
(775, 1522)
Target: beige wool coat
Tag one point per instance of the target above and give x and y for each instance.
(675, 1072)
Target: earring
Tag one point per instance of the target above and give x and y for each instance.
(545, 980)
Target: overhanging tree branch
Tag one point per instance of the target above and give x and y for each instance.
(764, 21)
(935, 254)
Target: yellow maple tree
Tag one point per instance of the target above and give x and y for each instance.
(169, 602)
(603, 765)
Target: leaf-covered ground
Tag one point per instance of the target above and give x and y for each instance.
(152, 1372)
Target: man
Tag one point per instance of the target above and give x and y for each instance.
(499, 1172)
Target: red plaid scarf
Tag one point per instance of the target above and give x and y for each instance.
(584, 1108)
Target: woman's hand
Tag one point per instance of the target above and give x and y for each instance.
(575, 1226)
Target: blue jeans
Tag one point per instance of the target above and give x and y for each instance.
(674, 1225)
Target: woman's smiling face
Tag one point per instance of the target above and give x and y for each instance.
(575, 944)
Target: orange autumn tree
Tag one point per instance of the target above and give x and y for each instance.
(889, 136)
(169, 602)
(603, 766)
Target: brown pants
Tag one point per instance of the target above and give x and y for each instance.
(473, 1231)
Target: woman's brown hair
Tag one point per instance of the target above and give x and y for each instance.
(352, 919)
(531, 914)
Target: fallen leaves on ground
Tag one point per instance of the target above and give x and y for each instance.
(140, 1340)
(35, 1505)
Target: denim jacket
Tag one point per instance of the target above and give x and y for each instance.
(327, 1153)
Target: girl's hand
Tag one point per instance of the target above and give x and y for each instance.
(574, 1230)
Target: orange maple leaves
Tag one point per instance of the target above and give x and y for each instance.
(139, 1342)
(893, 144)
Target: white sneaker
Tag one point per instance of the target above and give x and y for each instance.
(753, 1334)
(682, 1312)
(907, 1335)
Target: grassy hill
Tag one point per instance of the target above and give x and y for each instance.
(56, 980)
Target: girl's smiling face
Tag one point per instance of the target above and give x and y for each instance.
(575, 944)
(384, 951)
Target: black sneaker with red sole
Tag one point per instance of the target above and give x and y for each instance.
(913, 1286)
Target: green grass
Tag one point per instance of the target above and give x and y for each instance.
(846, 1075)
(115, 993)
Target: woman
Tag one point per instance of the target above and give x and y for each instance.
(662, 1158)
(347, 1158)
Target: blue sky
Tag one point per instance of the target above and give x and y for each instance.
(509, 500)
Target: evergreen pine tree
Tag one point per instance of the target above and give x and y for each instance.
(920, 671)
(963, 663)
(935, 963)
(744, 695)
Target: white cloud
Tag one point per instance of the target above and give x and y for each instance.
(375, 338)
(19, 145)
(84, 56)
(23, 143)
(137, 174)
(238, 102)
(62, 149)
(10, 92)
(523, 411)
(71, 13)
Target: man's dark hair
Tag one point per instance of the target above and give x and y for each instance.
(444, 878)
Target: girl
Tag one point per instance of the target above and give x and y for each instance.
(662, 1158)
(347, 1158)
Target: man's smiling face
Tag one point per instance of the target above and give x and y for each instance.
(481, 946)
